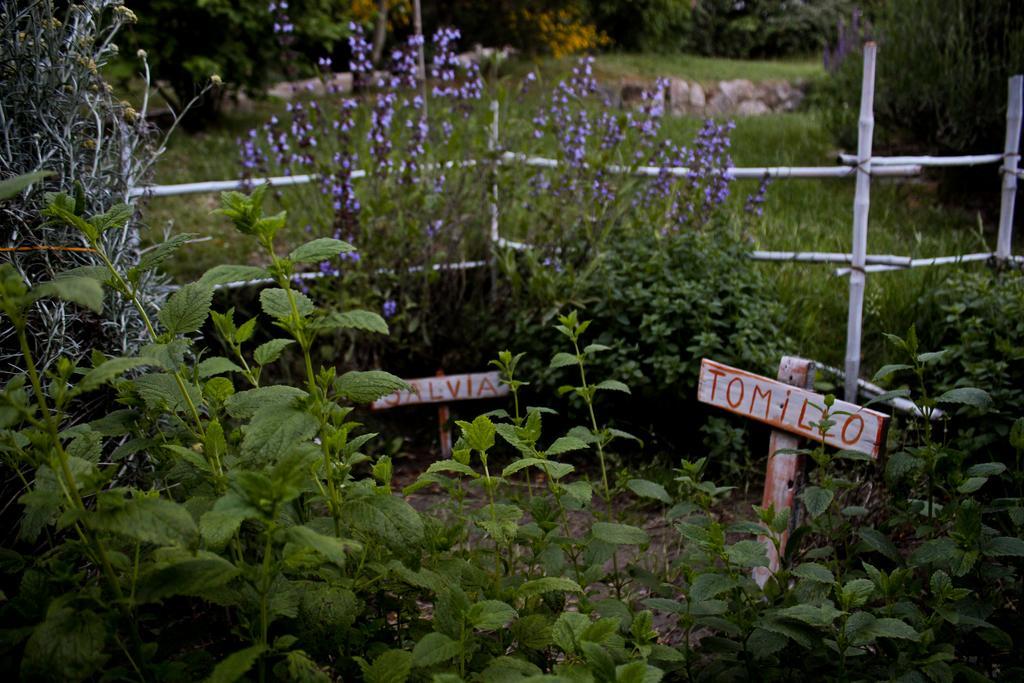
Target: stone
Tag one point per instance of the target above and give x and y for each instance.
(698, 99)
(286, 90)
(752, 108)
(737, 90)
(679, 96)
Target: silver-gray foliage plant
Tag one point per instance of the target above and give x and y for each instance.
(58, 114)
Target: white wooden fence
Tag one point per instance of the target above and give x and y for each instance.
(863, 166)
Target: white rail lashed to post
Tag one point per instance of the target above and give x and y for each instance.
(861, 204)
(1011, 158)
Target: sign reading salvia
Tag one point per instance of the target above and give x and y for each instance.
(444, 389)
(790, 408)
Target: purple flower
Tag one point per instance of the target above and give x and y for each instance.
(389, 308)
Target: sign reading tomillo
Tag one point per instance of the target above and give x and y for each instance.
(791, 408)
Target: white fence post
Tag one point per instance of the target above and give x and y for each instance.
(495, 234)
(1011, 157)
(861, 203)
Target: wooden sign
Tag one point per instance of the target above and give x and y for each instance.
(791, 408)
(444, 389)
(788, 405)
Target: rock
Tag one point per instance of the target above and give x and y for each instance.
(752, 108)
(679, 96)
(737, 90)
(631, 93)
(698, 100)
(286, 90)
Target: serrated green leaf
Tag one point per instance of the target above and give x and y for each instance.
(321, 249)
(267, 353)
(216, 365)
(709, 586)
(435, 648)
(562, 359)
(392, 666)
(970, 396)
(763, 643)
(69, 645)
(489, 615)
(12, 187)
(229, 274)
(971, 484)
(581, 491)
(276, 304)
(235, 665)
(478, 434)
(386, 518)
(189, 576)
(218, 525)
(565, 444)
(619, 534)
(556, 470)
(83, 291)
(887, 627)
(986, 469)
(612, 385)
(452, 466)
(147, 519)
(330, 547)
(816, 573)
(367, 321)
(547, 584)
(649, 489)
(817, 500)
(275, 430)
(108, 370)
(186, 310)
(887, 370)
(1004, 546)
(857, 592)
(821, 615)
(155, 256)
(161, 391)
(367, 386)
(244, 404)
(748, 553)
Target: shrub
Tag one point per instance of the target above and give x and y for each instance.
(61, 116)
(765, 28)
(660, 304)
(982, 332)
(646, 26)
(941, 78)
(242, 42)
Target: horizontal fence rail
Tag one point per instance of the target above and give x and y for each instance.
(962, 160)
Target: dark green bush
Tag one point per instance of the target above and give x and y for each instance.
(983, 334)
(941, 75)
(765, 28)
(662, 304)
(645, 25)
(188, 40)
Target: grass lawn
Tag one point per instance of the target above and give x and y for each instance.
(810, 215)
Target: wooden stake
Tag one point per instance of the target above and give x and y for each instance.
(1011, 158)
(783, 477)
(444, 429)
(861, 203)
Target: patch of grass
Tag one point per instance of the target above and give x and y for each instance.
(624, 65)
(705, 69)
